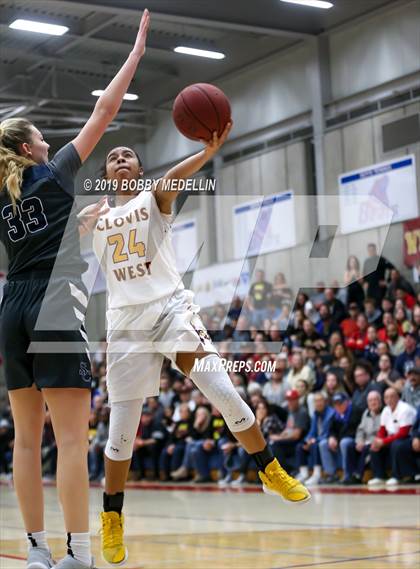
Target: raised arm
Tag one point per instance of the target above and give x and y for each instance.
(188, 168)
(109, 102)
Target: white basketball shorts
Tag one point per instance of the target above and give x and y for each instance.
(140, 336)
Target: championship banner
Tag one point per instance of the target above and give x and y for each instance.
(218, 283)
(392, 184)
(411, 242)
(264, 225)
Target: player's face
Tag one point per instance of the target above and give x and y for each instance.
(122, 164)
(37, 148)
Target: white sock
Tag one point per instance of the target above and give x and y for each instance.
(317, 471)
(304, 470)
(78, 546)
(37, 539)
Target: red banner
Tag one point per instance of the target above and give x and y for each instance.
(411, 242)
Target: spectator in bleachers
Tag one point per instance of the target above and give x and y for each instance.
(259, 294)
(273, 313)
(337, 308)
(375, 270)
(310, 335)
(349, 326)
(405, 361)
(284, 444)
(167, 394)
(299, 370)
(332, 386)
(318, 297)
(281, 292)
(386, 376)
(339, 351)
(148, 444)
(346, 367)
(370, 352)
(364, 384)
(411, 390)
(241, 333)
(307, 451)
(373, 313)
(415, 319)
(326, 325)
(208, 452)
(353, 282)
(274, 391)
(394, 339)
(302, 388)
(184, 396)
(387, 305)
(402, 320)
(342, 428)
(397, 419)
(172, 454)
(355, 451)
(201, 430)
(407, 454)
(399, 283)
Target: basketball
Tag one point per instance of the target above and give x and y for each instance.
(201, 109)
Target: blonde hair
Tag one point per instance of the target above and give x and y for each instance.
(13, 132)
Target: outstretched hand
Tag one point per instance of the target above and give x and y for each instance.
(215, 143)
(89, 215)
(140, 45)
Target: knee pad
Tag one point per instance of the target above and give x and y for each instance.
(123, 424)
(216, 385)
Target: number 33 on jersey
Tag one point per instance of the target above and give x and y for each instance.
(133, 245)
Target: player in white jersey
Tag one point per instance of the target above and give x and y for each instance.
(151, 315)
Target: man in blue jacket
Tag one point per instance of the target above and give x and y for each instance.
(307, 451)
(343, 427)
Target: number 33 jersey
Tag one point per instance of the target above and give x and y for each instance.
(133, 245)
(41, 233)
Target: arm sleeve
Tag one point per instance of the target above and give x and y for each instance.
(65, 165)
(402, 434)
(382, 433)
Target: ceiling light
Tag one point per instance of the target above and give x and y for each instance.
(312, 3)
(127, 96)
(199, 52)
(39, 27)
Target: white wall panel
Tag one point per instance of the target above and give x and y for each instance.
(377, 50)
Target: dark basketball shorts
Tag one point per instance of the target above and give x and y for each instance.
(42, 336)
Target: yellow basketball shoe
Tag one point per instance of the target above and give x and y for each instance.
(276, 481)
(114, 551)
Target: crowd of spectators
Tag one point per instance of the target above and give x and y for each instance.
(342, 396)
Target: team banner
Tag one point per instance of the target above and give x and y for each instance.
(392, 183)
(411, 242)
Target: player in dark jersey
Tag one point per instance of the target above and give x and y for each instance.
(42, 337)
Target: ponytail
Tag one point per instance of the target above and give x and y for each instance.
(13, 132)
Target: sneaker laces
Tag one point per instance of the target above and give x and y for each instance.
(284, 479)
(111, 531)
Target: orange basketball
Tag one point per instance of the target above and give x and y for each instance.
(201, 109)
